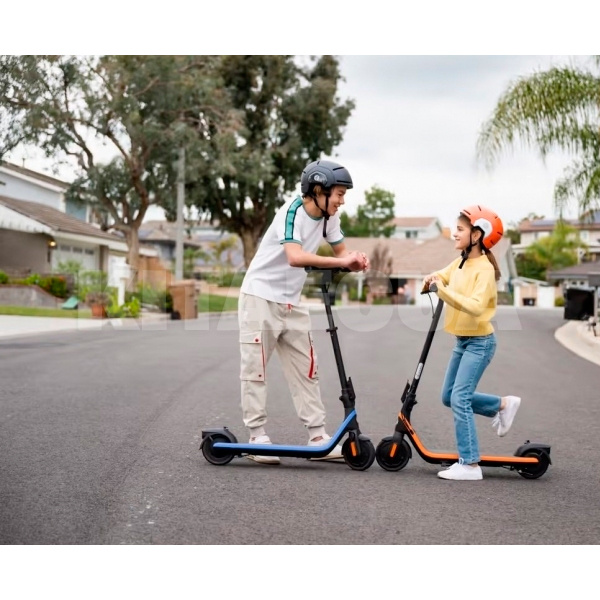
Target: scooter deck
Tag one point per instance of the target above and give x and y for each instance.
(289, 450)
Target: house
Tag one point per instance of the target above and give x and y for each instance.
(25, 184)
(36, 238)
(588, 228)
(583, 275)
(413, 259)
(416, 228)
(162, 236)
(39, 229)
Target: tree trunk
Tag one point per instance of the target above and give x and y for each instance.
(249, 243)
(133, 256)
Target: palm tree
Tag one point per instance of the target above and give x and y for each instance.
(549, 110)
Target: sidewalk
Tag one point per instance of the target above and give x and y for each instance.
(15, 326)
(577, 337)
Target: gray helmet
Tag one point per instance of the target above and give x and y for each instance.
(325, 173)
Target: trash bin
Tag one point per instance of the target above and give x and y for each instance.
(579, 304)
(185, 299)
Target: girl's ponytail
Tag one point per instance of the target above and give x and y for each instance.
(491, 258)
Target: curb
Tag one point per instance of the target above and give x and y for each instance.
(576, 337)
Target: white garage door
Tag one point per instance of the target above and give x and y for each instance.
(87, 256)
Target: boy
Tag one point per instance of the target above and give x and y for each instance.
(269, 312)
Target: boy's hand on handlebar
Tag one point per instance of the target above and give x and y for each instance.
(356, 261)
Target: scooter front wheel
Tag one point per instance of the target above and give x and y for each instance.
(216, 456)
(391, 455)
(534, 471)
(359, 461)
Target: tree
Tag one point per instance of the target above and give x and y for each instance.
(137, 110)
(381, 267)
(558, 250)
(289, 115)
(373, 218)
(558, 108)
(190, 256)
(226, 244)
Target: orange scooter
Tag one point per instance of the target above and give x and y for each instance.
(531, 460)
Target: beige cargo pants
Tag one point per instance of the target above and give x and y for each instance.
(266, 326)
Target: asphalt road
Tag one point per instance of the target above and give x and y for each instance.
(99, 437)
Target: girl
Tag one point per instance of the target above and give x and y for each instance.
(468, 287)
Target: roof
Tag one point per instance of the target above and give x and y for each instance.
(581, 270)
(414, 221)
(409, 256)
(33, 174)
(166, 232)
(55, 219)
(591, 220)
(416, 258)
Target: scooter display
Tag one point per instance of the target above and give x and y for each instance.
(220, 446)
(531, 460)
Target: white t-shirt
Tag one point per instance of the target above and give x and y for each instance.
(269, 275)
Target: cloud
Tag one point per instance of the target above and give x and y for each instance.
(414, 132)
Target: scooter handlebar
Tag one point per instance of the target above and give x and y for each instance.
(431, 288)
(332, 269)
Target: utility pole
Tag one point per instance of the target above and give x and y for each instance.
(180, 203)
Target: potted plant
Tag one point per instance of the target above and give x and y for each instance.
(98, 302)
(93, 287)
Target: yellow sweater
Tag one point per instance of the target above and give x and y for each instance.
(470, 295)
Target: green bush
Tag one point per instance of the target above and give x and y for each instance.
(146, 294)
(560, 301)
(128, 310)
(55, 285)
(73, 268)
(33, 279)
(92, 282)
(230, 278)
(3, 277)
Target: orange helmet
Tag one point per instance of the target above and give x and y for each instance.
(487, 221)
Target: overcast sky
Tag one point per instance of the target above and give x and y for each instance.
(414, 131)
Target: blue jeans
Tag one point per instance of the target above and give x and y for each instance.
(470, 357)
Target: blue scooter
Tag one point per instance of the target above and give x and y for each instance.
(220, 446)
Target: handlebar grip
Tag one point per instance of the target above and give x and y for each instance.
(433, 287)
(332, 269)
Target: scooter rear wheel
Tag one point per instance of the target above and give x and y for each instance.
(396, 460)
(362, 461)
(535, 471)
(216, 456)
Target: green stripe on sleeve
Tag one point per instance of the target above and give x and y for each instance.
(289, 219)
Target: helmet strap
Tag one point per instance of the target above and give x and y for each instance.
(465, 253)
(324, 213)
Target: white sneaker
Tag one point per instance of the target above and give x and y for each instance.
(460, 472)
(266, 460)
(335, 454)
(504, 419)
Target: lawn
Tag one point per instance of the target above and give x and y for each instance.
(206, 303)
(26, 311)
(215, 303)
